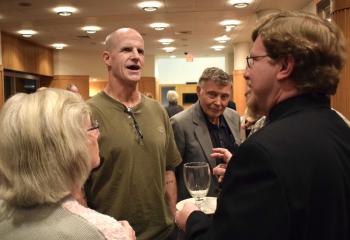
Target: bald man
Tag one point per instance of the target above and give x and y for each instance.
(136, 178)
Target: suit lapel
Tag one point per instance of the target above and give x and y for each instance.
(202, 134)
(232, 124)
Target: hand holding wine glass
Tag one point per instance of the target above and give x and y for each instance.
(197, 180)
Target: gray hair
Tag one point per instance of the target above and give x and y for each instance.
(172, 96)
(44, 147)
(215, 74)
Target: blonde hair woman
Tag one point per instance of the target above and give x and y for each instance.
(47, 150)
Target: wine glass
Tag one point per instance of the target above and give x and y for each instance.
(197, 180)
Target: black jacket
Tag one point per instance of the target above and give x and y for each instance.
(288, 181)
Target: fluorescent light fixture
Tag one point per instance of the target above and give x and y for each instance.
(59, 45)
(27, 33)
(150, 6)
(240, 3)
(166, 41)
(169, 49)
(217, 47)
(172, 56)
(222, 39)
(91, 29)
(159, 26)
(64, 10)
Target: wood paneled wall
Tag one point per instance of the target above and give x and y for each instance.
(239, 88)
(180, 89)
(2, 100)
(341, 16)
(25, 56)
(61, 81)
(96, 87)
(148, 85)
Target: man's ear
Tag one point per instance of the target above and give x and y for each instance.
(198, 89)
(106, 58)
(287, 67)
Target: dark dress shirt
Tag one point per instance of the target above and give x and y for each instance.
(221, 136)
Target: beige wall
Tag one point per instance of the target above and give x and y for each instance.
(69, 62)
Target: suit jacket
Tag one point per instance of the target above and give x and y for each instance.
(194, 143)
(288, 181)
(173, 109)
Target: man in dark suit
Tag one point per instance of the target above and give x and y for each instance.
(207, 124)
(291, 179)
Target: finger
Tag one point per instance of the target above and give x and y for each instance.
(216, 155)
(219, 150)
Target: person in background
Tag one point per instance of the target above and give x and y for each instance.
(136, 179)
(47, 150)
(72, 87)
(207, 124)
(173, 108)
(291, 179)
(253, 118)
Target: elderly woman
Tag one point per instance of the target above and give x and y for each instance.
(48, 146)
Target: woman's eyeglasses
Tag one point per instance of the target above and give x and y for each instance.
(135, 124)
(94, 125)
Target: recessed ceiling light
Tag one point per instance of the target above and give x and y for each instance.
(64, 10)
(222, 39)
(230, 24)
(159, 26)
(166, 41)
(217, 47)
(240, 3)
(150, 6)
(91, 29)
(59, 45)
(27, 33)
(169, 49)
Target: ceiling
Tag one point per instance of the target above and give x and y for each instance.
(193, 23)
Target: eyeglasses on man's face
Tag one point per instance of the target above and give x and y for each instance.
(251, 59)
(94, 125)
(136, 125)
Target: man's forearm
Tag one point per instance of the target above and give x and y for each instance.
(171, 190)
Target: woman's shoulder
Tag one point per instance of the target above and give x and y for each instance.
(108, 226)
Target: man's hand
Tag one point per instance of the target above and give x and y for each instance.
(182, 216)
(222, 153)
(219, 170)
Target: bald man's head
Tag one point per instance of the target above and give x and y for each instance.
(114, 37)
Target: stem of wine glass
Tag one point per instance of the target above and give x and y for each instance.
(198, 202)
